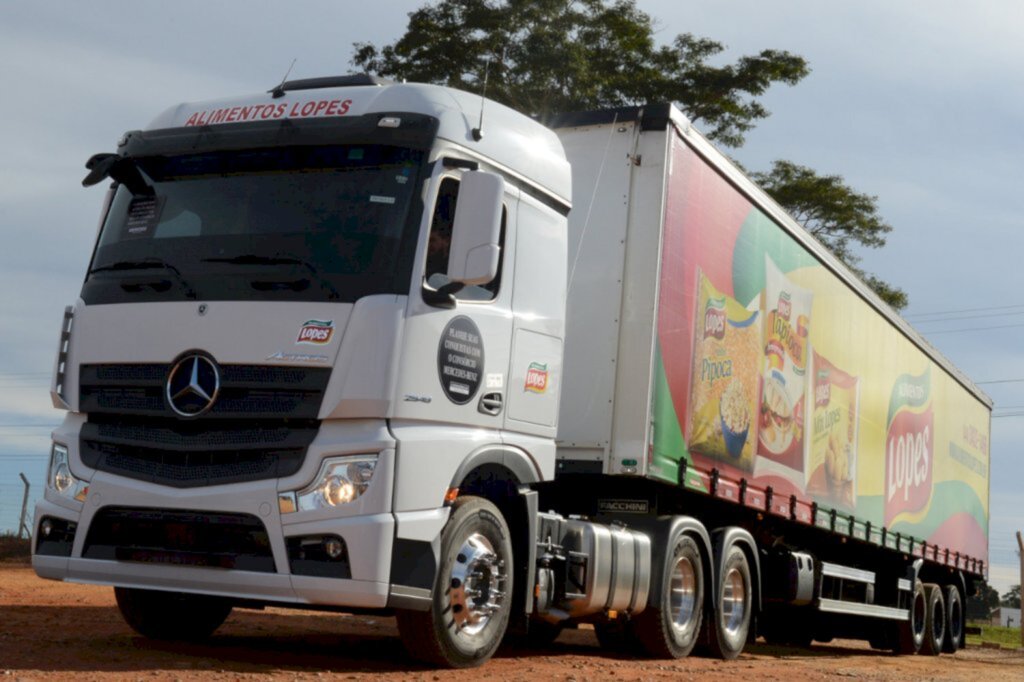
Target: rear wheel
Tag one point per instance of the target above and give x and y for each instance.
(934, 620)
(171, 615)
(954, 621)
(726, 631)
(670, 629)
(472, 591)
(910, 633)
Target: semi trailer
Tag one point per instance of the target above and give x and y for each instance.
(377, 347)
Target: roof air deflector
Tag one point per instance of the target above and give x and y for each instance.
(329, 82)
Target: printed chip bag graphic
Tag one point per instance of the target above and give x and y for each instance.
(832, 447)
(787, 320)
(909, 447)
(723, 384)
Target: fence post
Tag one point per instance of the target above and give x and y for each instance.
(22, 527)
(1020, 553)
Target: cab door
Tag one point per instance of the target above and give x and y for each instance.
(450, 396)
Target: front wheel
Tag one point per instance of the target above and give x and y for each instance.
(726, 631)
(171, 615)
(472, 591)
(670, 628)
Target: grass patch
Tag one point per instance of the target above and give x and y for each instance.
(994, 634)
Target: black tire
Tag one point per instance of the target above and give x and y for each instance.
(910, 633)
(726, 631)
(472, 591)
(934, 620)
(670, 628)
(954, 621)
(171, 615)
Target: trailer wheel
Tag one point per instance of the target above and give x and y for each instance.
(726, 631)
(171, 615)
(670, 629)
(910, 633)
(954, 621)
(472, 591)
(934, 620)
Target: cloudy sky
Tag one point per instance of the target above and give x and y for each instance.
(916, 102)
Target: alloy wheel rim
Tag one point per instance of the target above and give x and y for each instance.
(476, 588)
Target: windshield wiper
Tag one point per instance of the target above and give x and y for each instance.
(147, 264)
(257, 259)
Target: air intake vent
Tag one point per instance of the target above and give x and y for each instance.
(60, 373)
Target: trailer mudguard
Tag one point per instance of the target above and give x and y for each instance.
(723, 539)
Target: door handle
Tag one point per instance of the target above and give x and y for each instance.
(490, 403)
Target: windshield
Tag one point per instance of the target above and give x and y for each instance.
(294, 223)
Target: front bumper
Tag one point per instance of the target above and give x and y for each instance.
(370, 533)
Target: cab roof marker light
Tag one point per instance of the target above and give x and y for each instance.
(389, 122)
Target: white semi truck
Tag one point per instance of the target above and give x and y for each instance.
(344, 345)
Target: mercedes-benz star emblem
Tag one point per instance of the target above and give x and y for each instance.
(192, 385)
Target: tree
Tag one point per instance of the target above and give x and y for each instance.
(982, 602)
(1012, 597)
(549, 56)
(835, 213)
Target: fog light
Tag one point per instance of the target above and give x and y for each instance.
(46, 527)
(333, 548)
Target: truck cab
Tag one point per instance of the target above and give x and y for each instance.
(312, 317)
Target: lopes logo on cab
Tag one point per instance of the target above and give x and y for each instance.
(316, 332)
(909, 446)
(536, 378)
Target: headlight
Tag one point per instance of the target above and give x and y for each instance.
(340, 481)
(60, 477)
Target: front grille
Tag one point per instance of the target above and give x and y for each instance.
(259, 428)
(190, 538)
(246, 392)
(190, 454)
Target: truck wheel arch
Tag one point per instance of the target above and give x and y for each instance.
(723, 539)
(517, 463)
(663, 532)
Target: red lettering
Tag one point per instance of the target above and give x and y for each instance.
(344, 107)
(218, 116)
(320, 106)
(308, 108)
(279, 112)
(332, 107)
(244, 114)
(233, 114)
(295, 110)
(192, 120)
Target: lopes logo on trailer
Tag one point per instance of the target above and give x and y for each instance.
(316, 332)
(908, 446)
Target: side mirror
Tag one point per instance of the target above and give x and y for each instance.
(99, 166)
(475, 248)
(119, 168)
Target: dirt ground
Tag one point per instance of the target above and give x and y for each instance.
(56, 631)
